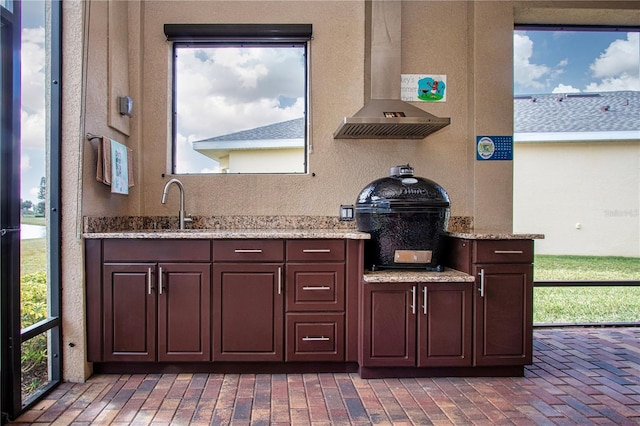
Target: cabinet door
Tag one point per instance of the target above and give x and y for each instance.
(248, 312)
(388, 325)
(503, 314)
(129, 312)
(184, 309)
(445, 325)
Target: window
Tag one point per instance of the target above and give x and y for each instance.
(240, 98)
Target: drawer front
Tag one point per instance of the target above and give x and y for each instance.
(315, 287)
(133, 250)
(315, 250)
(248, 251)
(315, 337)
(503, 251)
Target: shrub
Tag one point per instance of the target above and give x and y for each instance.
(33, 298)
(33, 294)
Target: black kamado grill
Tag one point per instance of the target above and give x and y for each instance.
(406, 217)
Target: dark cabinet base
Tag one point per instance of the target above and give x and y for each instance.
(301, 368)
(224, 367)
(399, 372)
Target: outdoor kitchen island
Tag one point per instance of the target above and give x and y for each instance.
(297, 301)
(475, 318)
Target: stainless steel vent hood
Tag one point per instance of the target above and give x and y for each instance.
(384, 115)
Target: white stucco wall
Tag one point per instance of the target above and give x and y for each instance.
(584, 196)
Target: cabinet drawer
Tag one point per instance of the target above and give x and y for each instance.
(248, 251)
(503, 251)
(132, 250)
(315, 250)
(315, 337)
(315, 287)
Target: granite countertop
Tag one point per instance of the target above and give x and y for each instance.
(220, 234)
(479, 235)
(416, 276)
(259, 227)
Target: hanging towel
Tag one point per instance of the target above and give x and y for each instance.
(104, 169)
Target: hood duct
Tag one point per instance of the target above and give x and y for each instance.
(385, 116)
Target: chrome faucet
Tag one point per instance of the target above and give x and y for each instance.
(181, 216)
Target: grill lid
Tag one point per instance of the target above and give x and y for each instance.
(402, 191)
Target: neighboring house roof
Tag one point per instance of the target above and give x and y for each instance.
(577, 116)
(286, 134)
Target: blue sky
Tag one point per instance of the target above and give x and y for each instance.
(575, 61)
(33, 114)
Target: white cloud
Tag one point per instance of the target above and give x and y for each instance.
(618, 67)
(524, 72)
(623, 82)
(25, 162)
(33, 123)
(32, 129)
(563, 88)
(227, 90)
(34, 191)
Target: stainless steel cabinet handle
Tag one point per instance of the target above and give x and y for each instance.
(424, 295)
(316, 287)
(413, 300)
(248, 250)
(508, 251)
(279, 280)
(160, 280)
(316, 250)
(481, 289)
(315, 339)
(149, 282)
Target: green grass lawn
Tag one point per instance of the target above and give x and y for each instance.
(33, 220)
(33, 256)
(586, 304)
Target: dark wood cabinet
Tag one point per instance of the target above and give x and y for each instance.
(315, 301)
(388, 332)
(184, 312)
(156, 312)
(148, 300)
(130, 308)
(445, 325)
(504, 323)
(248, 312)
(411, 324)
(248, 300)
(503, 297)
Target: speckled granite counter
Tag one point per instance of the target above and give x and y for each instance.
(494, 236)
(416, 276)
(232, 227)
(214, 234)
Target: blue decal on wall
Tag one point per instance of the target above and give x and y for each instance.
(494, 147)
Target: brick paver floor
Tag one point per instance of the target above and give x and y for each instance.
(579, 376)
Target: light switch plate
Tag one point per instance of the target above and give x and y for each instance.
(347, 212)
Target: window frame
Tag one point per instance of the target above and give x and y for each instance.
(240, 35)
